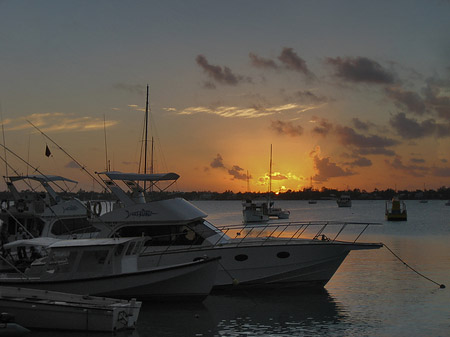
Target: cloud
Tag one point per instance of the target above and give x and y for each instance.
(360, 162)
(222, 75)
(138, 89)
(293, 62)
(371, 144)
(217, 162)
(260, 62)
(286, 128)
(72, 164)
(327, 169)
(239, 112)
(409, 128)
(309, 97)
(407, 99)
(441, 171)
(59, 122)
(413, 170)
(434, 98)
(323, 127)
(417, 160)
(360, 70)
(236, 173)
(360, 125)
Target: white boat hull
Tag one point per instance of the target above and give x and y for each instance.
(270, 265)
(182, 280)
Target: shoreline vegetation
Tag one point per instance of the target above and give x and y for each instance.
(443, 193)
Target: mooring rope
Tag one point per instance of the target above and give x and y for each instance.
(442, 286)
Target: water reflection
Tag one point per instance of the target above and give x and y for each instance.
(280, 312)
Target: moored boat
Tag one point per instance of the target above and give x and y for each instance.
(263, 255)
(395, 210)
(344, 201)
(110, 267)
(43, 309)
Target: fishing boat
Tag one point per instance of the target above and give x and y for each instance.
(110, 267)
(260, 255)
(255, 210)
(43, 309)
(395, 210)
(44, 213)
(261, 211)
(344, 201)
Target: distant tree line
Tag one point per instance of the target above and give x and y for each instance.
(443, 193)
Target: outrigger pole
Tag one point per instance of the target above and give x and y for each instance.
(67, 154)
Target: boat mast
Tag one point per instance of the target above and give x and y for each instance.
(270, 172)
(145, 138)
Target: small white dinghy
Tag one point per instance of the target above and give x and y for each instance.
(42, 309)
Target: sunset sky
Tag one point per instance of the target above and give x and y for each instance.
(351, 94)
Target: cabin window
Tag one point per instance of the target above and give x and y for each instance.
(64, 260)
(72, 226)
(92, 260)
(241, 257)
(130, 248)
(283, 255)
(162, 235)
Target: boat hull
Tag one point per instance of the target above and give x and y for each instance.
(183, 281)
(270, 265)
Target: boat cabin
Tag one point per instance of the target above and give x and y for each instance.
(88, 258)
(43, 213)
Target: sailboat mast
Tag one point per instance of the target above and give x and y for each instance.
(270, 171)
(145, 138)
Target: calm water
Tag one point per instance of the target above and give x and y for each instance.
(372, 293)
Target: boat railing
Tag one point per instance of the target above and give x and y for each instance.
(311, 230)
(263, 234)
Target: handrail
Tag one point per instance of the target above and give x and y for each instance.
(262, 234)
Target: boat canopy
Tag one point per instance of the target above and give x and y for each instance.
(92, 242)
(115, 175)
(41, 177)
(40, 242)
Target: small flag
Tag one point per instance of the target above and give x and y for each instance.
(47, 151)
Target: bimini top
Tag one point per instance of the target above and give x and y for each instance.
(115, 175)
(41, 177)
(92, 242)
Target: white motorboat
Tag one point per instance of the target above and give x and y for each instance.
(111, 267)
(43, 309)
(261, 256)
(344, 201)
(255, 211)
(44, 214)
(263, 210)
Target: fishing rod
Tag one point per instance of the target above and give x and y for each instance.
(83, 167)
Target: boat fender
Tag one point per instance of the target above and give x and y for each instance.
(5, 205)
(122, 318)
(97, 209)
(20, 206)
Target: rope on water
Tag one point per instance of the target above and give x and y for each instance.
(235, 281)
(442, 286)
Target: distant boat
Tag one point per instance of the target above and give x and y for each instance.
(447, 203)
(344, 201)
(312, 202)
(423, 201)
(395, 210)
(261, 211)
